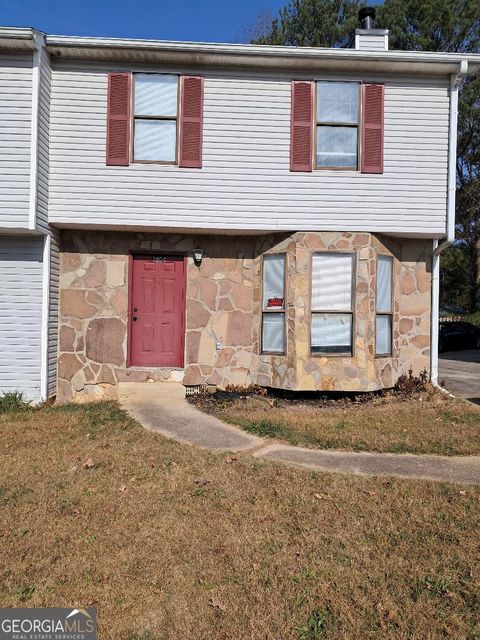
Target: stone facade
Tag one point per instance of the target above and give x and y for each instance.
(223, 312)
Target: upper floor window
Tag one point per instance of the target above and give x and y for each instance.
(332, 304)
(155, 111)
(337, 124)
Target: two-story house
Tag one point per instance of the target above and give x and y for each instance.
(221, 214)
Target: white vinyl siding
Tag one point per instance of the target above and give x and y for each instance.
(245, 182)
(43, 142)
(15, 117)
(21, 272)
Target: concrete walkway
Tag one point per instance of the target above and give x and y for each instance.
(164, 408)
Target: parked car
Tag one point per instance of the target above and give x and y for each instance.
(452, 311)
(458, 335)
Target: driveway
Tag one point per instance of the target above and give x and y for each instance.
(460, 371)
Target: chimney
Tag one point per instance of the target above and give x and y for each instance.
(366, 37)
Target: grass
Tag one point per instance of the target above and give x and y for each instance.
(13, 401)
(428, 422)
(169, 542)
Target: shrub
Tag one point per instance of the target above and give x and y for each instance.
(407, 385)
(13, 402)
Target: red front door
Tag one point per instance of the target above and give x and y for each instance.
(157, 311)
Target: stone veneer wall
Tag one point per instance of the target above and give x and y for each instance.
(411, 318)
(223, 309)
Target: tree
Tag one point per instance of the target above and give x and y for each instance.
(418, 25)
(431, 25)
(313, 23)
(450, 25)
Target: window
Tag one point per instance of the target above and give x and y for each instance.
(155, 109)
(332, 305)
(273, 304)
(337, 124)
(383, 318)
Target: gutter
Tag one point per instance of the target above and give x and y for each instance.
(259, 50)
(301, 59)
(451, 192)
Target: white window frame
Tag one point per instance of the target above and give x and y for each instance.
(337, 124)
(135, 118)
(283, 310)
(381, 312)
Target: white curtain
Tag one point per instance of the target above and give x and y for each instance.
(156, 94)
(336, 146)
(383, 330)
(155, 140)
(332, 281)
(273, 280)
(337, 102)
(384, 284)
(273, 333)
(331, 332)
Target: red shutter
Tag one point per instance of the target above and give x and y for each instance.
(301, 132)
(118, 119)
(191, 122)
(372, 128)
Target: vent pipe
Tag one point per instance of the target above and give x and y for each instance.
(366, 15)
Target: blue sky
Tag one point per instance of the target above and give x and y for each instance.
(198, 20)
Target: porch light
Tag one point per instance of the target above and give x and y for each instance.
(198, 256)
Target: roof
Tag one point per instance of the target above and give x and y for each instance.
(243, 55)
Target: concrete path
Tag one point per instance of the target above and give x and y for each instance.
(465, 470)
(164, 408)
(461, 372)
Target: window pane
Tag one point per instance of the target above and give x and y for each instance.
(274, 281)
(332, 333)
(337, 102)
(336, 146)
(332, 281)
(384, 283)
(155, 140)
(383, 328)
(273, 333)
(155, 95)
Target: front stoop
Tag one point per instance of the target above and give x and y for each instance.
(137, 391)
(153, 374)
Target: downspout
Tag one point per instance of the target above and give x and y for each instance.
(451, 190)
(34, 123)
(45, 326)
